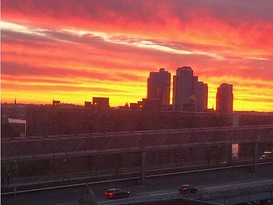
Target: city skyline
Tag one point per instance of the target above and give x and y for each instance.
(75, 50)
(188, 93)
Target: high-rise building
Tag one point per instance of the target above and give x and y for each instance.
(224, 98)
(182, 88)
(159, 87)
(188, 93)
(201, 96)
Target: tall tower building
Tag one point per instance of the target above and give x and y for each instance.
(224, 98)
(188, 93)
(183, 88)
(201, 96)
(159, 87)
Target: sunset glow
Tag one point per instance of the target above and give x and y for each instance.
(73, 50)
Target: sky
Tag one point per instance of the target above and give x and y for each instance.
(74, 50)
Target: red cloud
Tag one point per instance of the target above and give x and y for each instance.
(223, 39)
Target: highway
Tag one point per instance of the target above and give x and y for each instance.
(160, 187)
(202, 191)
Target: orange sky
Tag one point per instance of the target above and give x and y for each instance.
(72, 51)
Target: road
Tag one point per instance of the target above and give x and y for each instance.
(154, 188)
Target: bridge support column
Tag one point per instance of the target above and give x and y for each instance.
(255, 161)
(143, 168)
(117, 164)
(229, 154)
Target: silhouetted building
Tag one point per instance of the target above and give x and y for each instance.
(200, 91)
(87, 104)
(56, 102)
(188, 93)
(159, 87)
(183, 88)
(224, 98)
(134, 106)
(100, 102)
(150, 104)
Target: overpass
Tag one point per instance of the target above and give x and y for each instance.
(56, 146)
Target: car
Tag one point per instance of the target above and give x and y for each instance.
(187, 189)
(264, 156)
(116, 193)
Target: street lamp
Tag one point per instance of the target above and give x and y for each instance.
(16, 173)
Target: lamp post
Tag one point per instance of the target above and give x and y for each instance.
(16, 173)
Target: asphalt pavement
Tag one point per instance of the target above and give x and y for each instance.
(153, 188)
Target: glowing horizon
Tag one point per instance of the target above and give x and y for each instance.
(74, 50)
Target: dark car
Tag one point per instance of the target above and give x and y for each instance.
(116, 193)
(187, 189)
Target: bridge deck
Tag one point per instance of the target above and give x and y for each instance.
(46, 147)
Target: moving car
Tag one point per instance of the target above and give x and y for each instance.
(264, 157)
(116, 193)
(187, 189)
